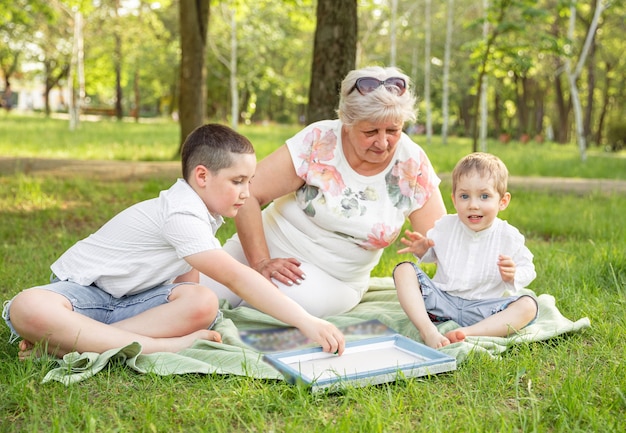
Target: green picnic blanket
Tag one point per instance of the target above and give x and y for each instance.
(233, 356)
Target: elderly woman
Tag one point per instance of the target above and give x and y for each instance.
(339, 192)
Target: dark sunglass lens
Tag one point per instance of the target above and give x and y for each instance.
(367, 85)
(398, 83)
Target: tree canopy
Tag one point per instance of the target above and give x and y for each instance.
(265, 49)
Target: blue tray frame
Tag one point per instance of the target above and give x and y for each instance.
(428, 361)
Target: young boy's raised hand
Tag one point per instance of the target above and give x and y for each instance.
(506, 265)
(416, 243)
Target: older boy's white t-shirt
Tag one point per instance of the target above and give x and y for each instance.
(143, 246)
(467, 260)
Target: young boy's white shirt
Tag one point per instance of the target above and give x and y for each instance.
(467, 260)
(143, 246)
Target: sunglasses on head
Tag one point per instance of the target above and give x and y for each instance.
(366, 85)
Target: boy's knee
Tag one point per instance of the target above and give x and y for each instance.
(29, 308)
(403, 267)
(31, 301)
(203, 303)
(528, 306)
(529, 303)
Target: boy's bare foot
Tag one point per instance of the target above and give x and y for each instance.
(455, 336)
(215, 336)
(29, 350)
(433, 338)
(175, 344)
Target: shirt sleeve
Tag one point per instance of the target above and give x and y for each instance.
(524, 268)
(189, 234)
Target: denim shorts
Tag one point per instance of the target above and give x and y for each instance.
(441, 306)
(97, 304)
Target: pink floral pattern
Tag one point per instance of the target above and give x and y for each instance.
(322, 148)
(411, 176)
(380, 237)
(368, 214)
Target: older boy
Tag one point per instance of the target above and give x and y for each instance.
(479, 259)
(136, 278)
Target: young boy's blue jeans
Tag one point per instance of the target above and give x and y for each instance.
(97, 304)
(441, 306)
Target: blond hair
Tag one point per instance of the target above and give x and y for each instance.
(486, 165)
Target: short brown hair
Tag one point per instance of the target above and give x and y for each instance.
(212, 146)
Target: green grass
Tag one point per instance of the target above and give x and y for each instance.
(572, 383)
(157, 140)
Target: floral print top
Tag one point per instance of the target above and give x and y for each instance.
(345, 216)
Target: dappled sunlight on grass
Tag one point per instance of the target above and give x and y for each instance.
(573, 382)
(36, 136)
(27, 195)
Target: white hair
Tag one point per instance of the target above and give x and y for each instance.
(379, 105)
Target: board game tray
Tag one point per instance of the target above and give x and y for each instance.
(370, 361)
(271, 340)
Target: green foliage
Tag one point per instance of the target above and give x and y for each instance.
(273, 76)
(275, 43)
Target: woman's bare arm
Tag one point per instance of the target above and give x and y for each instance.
(275, 176)
(424, 218)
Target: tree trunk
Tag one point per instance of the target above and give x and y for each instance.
(498, 110)
(465, 114)
(480, 106)
(118, 77)
(427, 60)
(334, 55)
(194, 22)
(137, 95)
(446, 73)
(574, 73)
(520, 102)
(539, 96)
(604, 106)
(591, 86)
(117, 60)
(561, 123)
(234, 83)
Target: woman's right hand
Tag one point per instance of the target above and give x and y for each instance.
(284, 270)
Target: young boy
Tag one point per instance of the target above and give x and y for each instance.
(136, 278)
(479, 258)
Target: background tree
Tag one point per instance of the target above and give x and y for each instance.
(427, 68)
(529, 95)
(55, 52)
(18, 19)
(273, 76)
(574, 73)
(445, 104)
(334, 55)
(194, 22)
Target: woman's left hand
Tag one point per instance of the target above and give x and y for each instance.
(284, 270)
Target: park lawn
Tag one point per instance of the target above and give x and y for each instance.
(572, 383)
(157, 140)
